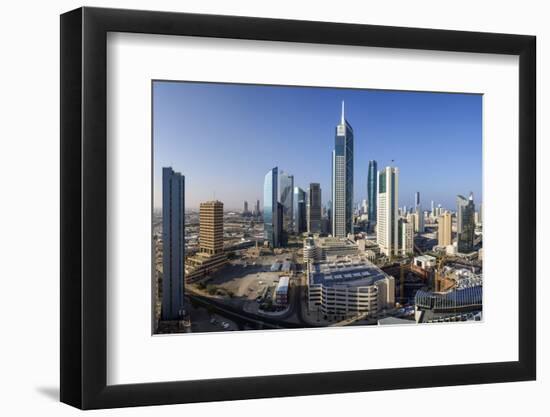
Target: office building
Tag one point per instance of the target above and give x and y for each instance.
(257, 212)
(328, 210)
(281, 291)
(314, 208)
(372, 180)
(281, 232)
(342, 179)
(245, 209)
(406, 237)
(211, 227)
(348, 286)
(444, 229)
(286, 198)
(211, 256)
(387, 233)
(364, 207)
(300, 213)
(416, 200)
(271, 212)
(173, 237)
(419, 220)
(465, 223)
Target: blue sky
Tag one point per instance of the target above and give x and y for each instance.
(225, 137)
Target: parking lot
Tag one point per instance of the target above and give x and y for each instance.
(243, 281)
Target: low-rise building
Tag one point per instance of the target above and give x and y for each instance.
(347, 286)
(425, 261)
(364, 245)
(428, 303)
(451, 250)
(281, 292)
(202, 264)
(311, 252)
(320, 248)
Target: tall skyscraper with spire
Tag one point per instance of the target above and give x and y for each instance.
(372, 182)
(342, 179)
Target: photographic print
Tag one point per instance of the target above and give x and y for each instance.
(294, 207)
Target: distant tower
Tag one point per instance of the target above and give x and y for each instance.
(416, 200)
(342, 179)
(372, 181)
(245, 207)
(314, 208)
(465, 223)
(211, 227)
(433, 209)
(257, 207)
(173, 239)
(388, 200)
(271, 212)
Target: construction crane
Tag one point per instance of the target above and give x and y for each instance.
(438, 276)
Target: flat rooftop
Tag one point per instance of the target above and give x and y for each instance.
(334, 242)
(426, 258)
(350, 271)
(283, 285)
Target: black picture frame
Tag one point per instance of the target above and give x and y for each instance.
(84, 207)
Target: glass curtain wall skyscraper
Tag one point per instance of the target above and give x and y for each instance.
(173, 241)
(388, 202)
(286, 198)
(372, 181)
(314, 208)
(342, 179)
(300, 220)
(465, 223)
(271, 213)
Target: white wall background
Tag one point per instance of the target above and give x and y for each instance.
(29, 210)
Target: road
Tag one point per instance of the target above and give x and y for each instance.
(242, 318)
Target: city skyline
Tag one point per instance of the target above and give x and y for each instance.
(255, 129)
